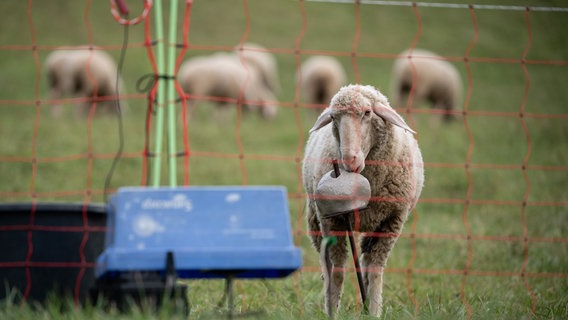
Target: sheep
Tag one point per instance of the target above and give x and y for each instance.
(320, 78)
(222, 76)
(82, 73)
(437, 81)
(258, 57)
(365, 135)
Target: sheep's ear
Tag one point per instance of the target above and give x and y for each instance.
(390, 115)
(322, 120)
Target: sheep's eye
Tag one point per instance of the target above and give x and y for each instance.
(368, 113)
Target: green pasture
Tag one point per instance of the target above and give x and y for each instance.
(488, 240)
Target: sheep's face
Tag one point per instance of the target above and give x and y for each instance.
(351, 112)
(353, 133)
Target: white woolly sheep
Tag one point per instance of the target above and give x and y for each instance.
(320, 78)
(367, 136)
(83, 73)
(222, 76)
(265, 63)
(437, 81)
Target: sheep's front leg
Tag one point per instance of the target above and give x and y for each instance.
(332, 263)
(333, 273)
(376, 249)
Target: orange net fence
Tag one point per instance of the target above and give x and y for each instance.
(495, 176)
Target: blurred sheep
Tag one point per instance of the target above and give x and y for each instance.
(320, 78)
(83, 73)
(223, 78)
(265, 63)
(437, 81)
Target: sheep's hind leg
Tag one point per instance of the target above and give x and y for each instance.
(373, 280)
(375, 252)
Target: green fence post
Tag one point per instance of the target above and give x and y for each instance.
(171, 104)
(160, 95)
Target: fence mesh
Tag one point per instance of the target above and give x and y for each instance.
(491, 221)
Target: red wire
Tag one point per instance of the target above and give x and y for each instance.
(240, 101)
(151, 98)
(33, 152)
(524, 166)
(119, 10)
(355, 43)
(180, 92)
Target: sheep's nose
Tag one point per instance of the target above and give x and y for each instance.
(352, 163)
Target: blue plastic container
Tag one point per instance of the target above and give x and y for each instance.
(243, 231)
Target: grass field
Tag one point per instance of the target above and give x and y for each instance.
(489, 238)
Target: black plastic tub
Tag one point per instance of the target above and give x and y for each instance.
(50, 249)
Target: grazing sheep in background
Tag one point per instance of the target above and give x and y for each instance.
(264, 62)
(365, 135)
(437, 81)
(320, 78)
(222, 77)
(82, 73)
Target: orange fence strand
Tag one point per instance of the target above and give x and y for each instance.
(354, 53)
